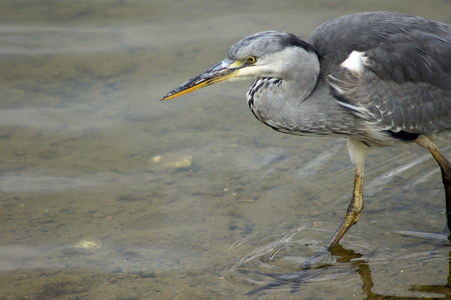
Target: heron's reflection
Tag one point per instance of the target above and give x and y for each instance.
(356, 262)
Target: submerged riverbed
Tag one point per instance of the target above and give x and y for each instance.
(108, 193)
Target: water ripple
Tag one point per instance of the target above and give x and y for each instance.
(276, 263)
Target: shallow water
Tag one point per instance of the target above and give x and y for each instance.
(90, 208)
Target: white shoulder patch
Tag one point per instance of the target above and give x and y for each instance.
(355, 62)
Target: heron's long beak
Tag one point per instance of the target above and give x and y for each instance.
(224, 70)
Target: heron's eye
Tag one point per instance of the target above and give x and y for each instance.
(251, 59)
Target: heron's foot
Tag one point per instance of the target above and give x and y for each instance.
(316, 259)
(295, 279)
(313, 267)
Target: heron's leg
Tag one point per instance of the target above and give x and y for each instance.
(357, 151)
(354, 209)
(445, 167)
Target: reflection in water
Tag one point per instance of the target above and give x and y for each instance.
(332, 270)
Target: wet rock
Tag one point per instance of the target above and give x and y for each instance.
(169, 161)
(83, 247)
(89, 245)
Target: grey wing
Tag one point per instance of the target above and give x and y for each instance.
(405, 82)
(412, 107)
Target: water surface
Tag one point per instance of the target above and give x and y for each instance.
(87, 213)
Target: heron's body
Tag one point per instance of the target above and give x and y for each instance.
(378, 79)
(402, 90)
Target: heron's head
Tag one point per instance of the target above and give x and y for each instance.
(264, 54)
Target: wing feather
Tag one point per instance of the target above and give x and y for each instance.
(405, 84)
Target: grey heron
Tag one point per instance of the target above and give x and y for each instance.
(376, 78)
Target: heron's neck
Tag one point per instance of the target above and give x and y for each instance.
(313, 111)
(284, 103)
(309, 112)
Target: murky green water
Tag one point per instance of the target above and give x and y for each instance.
(86, 211)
